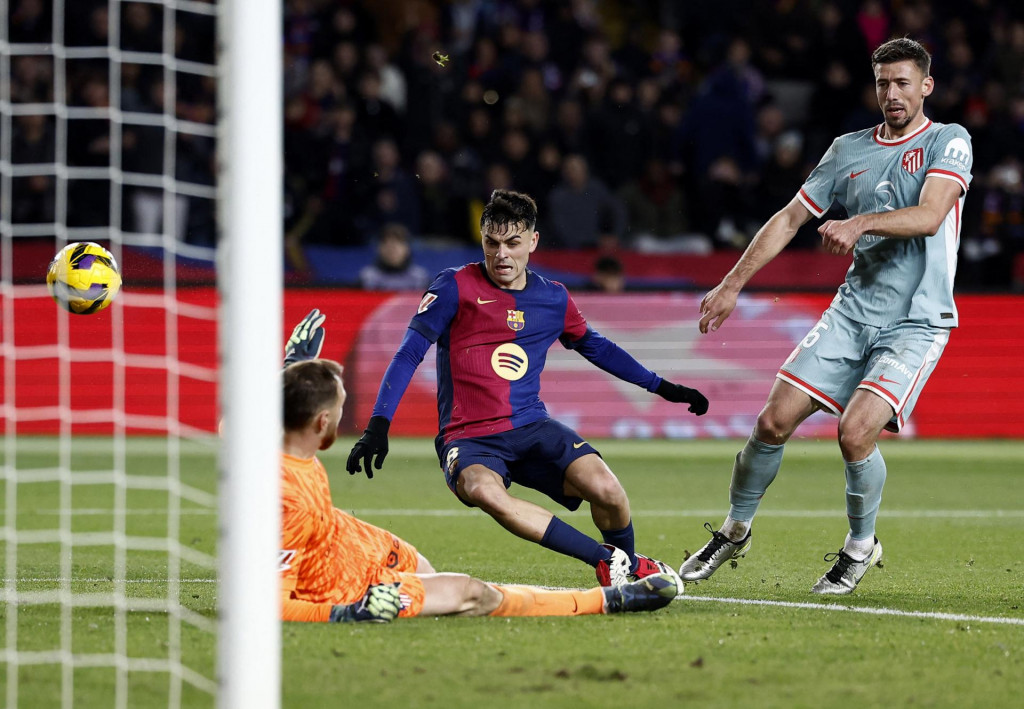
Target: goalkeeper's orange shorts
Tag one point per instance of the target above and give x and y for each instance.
(391, 558)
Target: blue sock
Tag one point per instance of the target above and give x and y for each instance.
(864, 481)
(570, 541)
(755, 468)
(623, 539)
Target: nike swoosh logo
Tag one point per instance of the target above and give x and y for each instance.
(579, 445)
(485, 302)
(882, 378)
(853, 175)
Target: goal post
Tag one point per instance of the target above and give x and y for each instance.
(139, 548)
(250, 276)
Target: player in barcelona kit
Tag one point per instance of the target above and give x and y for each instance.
(867, 359)
(493, 323)
(335, 567)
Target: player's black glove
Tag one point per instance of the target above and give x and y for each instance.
(381, 604)
(678, 394)
(374, 442)
(307, 338)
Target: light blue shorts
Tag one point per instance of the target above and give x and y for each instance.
(839, 356)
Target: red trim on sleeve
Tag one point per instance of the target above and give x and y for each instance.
(818, 210)
(948, 174)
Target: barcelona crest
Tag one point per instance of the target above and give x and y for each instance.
(515, 320)
(913, 159)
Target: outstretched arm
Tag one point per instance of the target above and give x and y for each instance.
(607, 355)
(373, 445)
(770, 239)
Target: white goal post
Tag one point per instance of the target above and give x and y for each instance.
(106, 592)
(250, 276)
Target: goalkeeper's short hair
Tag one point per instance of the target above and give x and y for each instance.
(310, 386)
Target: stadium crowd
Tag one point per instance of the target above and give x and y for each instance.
(655, 125)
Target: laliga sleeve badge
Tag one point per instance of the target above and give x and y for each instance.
(428, 298)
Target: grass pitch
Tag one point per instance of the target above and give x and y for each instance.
(940, 625)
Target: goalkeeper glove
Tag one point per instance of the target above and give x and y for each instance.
(381, 604)
(307, 338)
(373, 442)
(679, 394)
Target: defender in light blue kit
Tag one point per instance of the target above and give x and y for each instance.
(867, 359)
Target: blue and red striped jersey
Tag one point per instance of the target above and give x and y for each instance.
(491, 347)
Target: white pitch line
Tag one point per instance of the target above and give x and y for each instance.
(930, 615)
(814, 514)
(859, 609)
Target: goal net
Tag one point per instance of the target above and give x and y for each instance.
(138, 544)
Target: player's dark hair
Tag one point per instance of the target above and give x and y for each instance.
(903, 49)
(310, 387)
(507, 209)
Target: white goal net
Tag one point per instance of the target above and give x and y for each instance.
(120, 554)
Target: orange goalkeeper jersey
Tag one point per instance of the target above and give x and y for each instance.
(329, 557)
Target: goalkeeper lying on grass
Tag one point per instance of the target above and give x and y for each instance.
(337, 568)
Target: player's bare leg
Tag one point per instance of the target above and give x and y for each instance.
(859, 428)
(590, 478)
(754, 470)
(482, 487)
(861, 424)
(458, 594)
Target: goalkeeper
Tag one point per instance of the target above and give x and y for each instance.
(335, 567)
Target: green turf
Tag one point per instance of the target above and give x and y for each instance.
(952, 526)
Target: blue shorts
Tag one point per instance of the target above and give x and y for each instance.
(534, 456)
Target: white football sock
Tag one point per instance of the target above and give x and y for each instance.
(858, 549)
(735, 529)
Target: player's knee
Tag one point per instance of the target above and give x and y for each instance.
(483, 492)
(479, 598)
(607, 491)
(856, 441)
(771, 428)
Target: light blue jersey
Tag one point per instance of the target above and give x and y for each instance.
(894, 280)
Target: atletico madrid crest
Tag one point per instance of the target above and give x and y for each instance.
(913, 159)
(515, 320)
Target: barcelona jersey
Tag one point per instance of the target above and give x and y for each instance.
(492, 344)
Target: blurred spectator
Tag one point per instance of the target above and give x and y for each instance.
(346, 185)
(990, 251)
(377, 116)
(873, 23)
(31, 79)
(393, 194)
(444, 215)
(623, 133)
(394, 269)
(658, 217)
(33, 197)
(581, 209)
(140, 28)
(570, 131)
(31, 22)
(609, 275)
(392, 82)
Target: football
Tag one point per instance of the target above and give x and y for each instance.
(83, 278)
